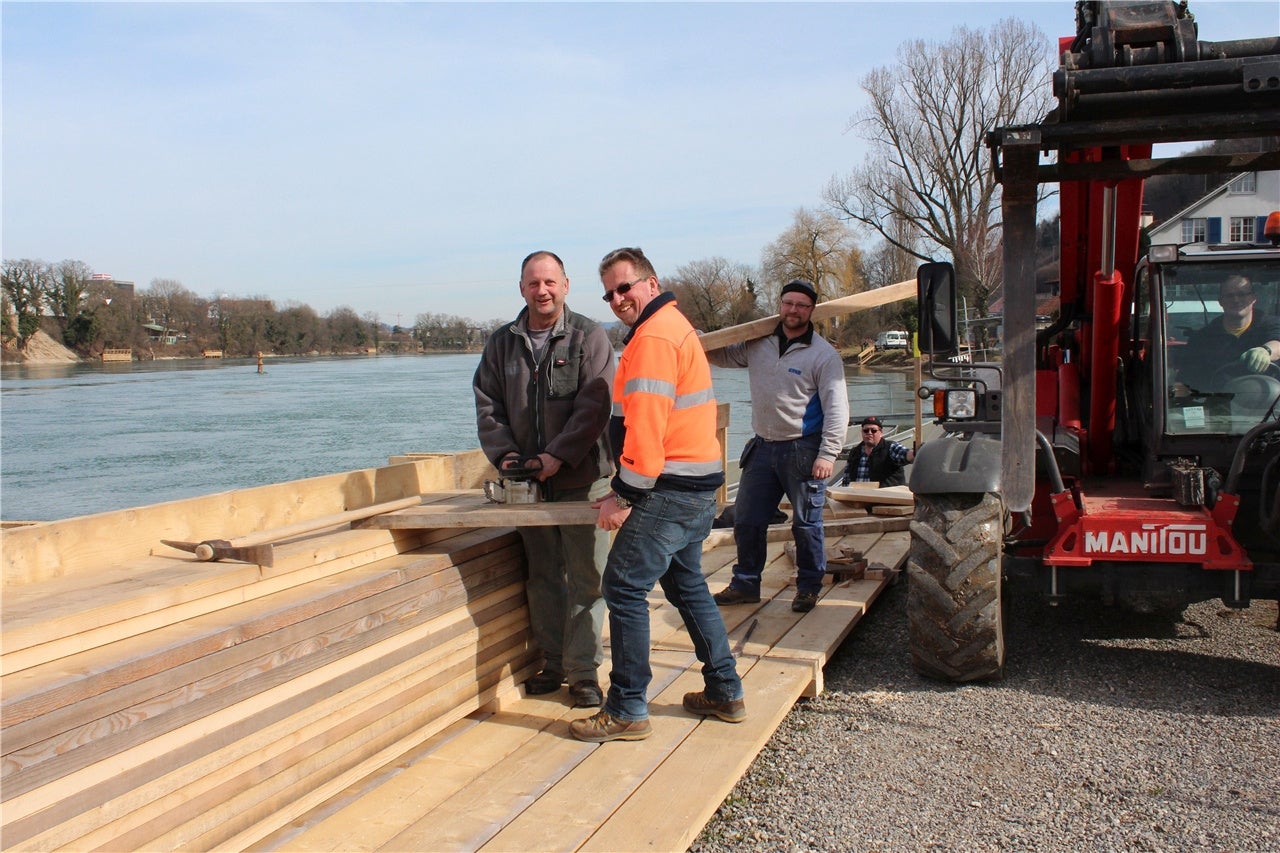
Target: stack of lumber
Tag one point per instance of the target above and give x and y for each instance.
(512, 778)
(361, 692)
(150, 701)
(891, 501)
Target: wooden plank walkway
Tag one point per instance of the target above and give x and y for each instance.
(361, 691)
(510, 777)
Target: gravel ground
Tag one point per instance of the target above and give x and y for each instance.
(1109, 732)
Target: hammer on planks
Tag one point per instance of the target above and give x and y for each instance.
(257, 547)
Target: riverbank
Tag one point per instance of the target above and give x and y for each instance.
(40, 349)
(43, 349)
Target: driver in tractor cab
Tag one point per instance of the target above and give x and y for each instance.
(1240, 342)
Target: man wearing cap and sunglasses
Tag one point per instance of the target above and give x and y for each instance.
(800, 414)
(877, 459)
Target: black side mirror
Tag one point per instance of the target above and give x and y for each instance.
(936, 301)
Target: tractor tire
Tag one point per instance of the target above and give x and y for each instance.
(954, 604)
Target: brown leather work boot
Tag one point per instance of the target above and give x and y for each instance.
(547, 681)
(586, 694)
(804, 602)
(733, 711)
(603, 726)
(731, 595)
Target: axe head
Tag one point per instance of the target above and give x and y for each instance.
(221, 549)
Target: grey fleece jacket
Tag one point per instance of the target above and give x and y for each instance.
(797, 393)
(560, 406)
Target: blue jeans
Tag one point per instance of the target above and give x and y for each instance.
(661, 542)
(772, 469)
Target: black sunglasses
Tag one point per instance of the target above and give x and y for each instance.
(622, 289)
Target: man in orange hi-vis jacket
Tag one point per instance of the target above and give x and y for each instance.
(663, 434)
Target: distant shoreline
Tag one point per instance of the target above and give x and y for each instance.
(42, 353)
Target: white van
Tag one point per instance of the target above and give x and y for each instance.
(892, 340)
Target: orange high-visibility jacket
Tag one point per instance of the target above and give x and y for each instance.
(665, 406)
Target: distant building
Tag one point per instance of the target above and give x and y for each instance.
(161, 334)
(105, 279)
(1233, 213)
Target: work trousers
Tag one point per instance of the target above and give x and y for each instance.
(771, 469)
(566, 609)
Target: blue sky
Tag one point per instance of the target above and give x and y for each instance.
(403, 158)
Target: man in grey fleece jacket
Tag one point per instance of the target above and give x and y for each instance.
(800, 417)
(543, 392)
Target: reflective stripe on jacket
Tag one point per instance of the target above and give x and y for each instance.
(664, 409)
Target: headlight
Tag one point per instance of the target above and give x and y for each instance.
(962, 404)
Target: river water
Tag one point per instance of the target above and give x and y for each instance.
(85, 438)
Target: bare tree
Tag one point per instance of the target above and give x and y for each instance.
(714, 293)
(68, 284)
(172, 305)
(929, 167)
(25, 283)
(375, 327)
(817, 247)
(820, 248)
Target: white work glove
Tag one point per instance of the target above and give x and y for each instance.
(1256, 359)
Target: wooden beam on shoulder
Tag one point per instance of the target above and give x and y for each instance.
(823, 310)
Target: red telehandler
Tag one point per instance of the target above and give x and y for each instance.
(1102, 456)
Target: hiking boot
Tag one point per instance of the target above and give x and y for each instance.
(547, 681)
(586, 694)
(603, 726)
(732, 595)
(804, 602)
(732, 711)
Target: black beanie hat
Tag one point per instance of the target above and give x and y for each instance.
(800, 286)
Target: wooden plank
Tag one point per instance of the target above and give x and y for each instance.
(816, 637)
(129, 609)
(890, 552)
(390, 727)
(476, 813)
(466, 469)
(830, 527)
(181, 775)
(312, 525)
(822, 311)
(373, 811)
(226, 636)
(478, 512)
(465, 769)
(690, 785)
(234, 780)
(87, 543)
(116, 719)
(569, 813)
(53, 619)
(254, 727)
(399, 726)
(858, 493)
